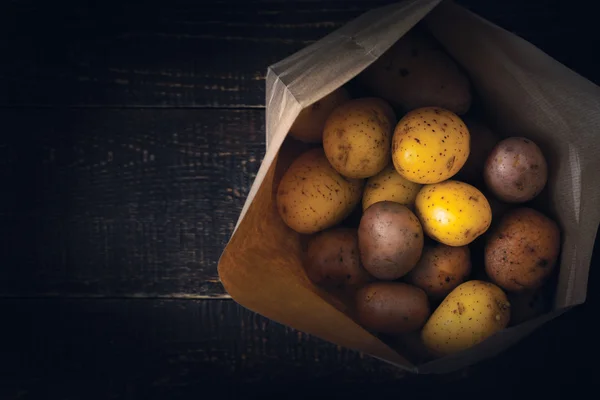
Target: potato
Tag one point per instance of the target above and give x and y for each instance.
(388, 185)
(526, 305)
(391, 307)
(357, 137)
(309, 125)
(483, 140)
(516, 170)
(441, 269)
(333, 259)
(390, 239)
(312, 196)
(471, 313)
(416, 72)
(522, 251)
(430, 145)
(452, 212)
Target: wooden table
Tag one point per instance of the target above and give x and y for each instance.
(129, 133)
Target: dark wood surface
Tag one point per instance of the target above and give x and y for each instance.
(123, 202)
(163, 348)
(123, 147)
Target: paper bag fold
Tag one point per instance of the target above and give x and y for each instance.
(524, 92)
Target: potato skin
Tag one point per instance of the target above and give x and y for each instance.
(441, 269)
(483, 140)
(312, 196)
(309, 125)
(472, 312)
(388, 185)
(416, 72)
(391, 307)
(430, 145)
(522, 251)
(516, 170)
(452, 212)
(390, 239)
(333, 259)
(357, 137)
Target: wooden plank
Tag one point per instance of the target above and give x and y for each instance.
(136, 203)
(193, 54)
(214, 54)
(75, 349)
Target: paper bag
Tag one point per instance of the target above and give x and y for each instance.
(523, 91)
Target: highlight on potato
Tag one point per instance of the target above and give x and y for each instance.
(452, 212)
(422, 264)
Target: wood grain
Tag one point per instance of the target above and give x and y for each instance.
(135, 203)
(100, 348)
(211, 54)
(200, 54)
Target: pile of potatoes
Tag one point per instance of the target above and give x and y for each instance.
(423, 258)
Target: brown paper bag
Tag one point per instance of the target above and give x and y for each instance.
(524, 91)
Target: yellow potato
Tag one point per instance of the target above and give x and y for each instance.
(312, 196)
(388, 185)
(430, 145)
(471, 313)
(308, 127)
(452, 212)
(357, 137)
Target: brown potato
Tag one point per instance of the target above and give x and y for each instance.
(416, 72)
(441, 269)
(390, 239)
(522, 251)
(516, 170)
(391, 307)
(483, 140)
(333, 259)
(308, 127)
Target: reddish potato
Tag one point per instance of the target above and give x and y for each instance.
(333, 259)
(441, 269)
(522, 251)
(390, 239)
(516, 170)
(391, 307)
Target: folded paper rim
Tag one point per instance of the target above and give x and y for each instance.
(286, 98)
